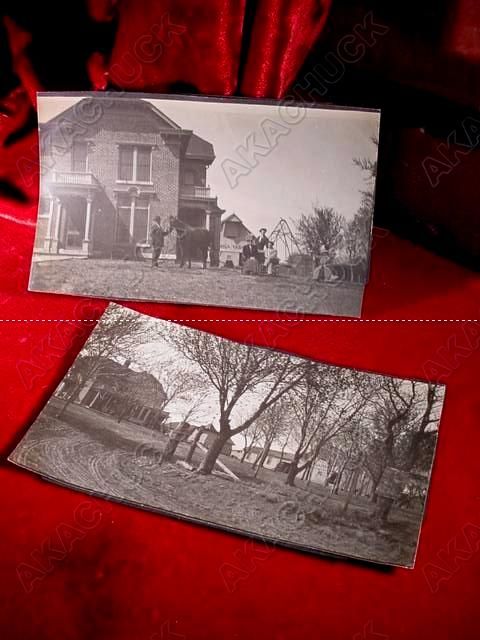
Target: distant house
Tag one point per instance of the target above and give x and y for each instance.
(207, 436)
(117, 390)
(280, 461)
(125, 163)
(274, 461)
(233, 236)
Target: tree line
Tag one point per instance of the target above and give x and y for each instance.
(272, 398)
(324, 229)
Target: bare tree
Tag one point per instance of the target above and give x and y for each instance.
(180, 384)
(236, 372)
(273, 423)
(251, 437)
(359, 229)
(323, 405)
(404, 414)
(115, 337)
(319, 231)
(181, 432)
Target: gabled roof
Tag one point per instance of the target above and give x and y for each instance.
(235, 219)
(232, 218)
(196, 148)
(114, 101)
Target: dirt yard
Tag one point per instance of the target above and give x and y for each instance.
(91, 451)
(217, 287)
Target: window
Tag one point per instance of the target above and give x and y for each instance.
(189, 178)
(143, 164)
(134, 163)
(80, 157)
(125, 163)
(123, 219)
(140, 220)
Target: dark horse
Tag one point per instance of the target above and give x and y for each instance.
(190, 239)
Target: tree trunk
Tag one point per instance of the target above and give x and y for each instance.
(338, 480)
(244, 454)
(263, 457)
(292, 474)
(211, 456)
(373, 497)
(382, 510)
(193, 446)
(282, 452)
(169, 450)
(68, 400)
(352, 486)
(257, 459)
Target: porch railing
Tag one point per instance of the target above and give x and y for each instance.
(75, 178)
(194, 191)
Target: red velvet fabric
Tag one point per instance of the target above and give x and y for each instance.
(118, 572)
(76, 567)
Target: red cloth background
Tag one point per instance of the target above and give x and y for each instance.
(129, 575)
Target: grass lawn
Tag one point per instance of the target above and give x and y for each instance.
(218, 287)
(91, 451)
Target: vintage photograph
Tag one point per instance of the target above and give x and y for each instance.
(253, 440)
(205, 201)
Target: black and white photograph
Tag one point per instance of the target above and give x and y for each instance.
(224, 202)
(252, 440)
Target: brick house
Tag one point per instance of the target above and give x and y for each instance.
(116, 390)
(109, 167)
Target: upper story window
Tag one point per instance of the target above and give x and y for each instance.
(135, 163)
(189, 178)
(80, 156)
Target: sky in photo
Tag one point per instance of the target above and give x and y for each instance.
(308, 162)
(158, 356)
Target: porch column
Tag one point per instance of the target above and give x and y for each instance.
(48, 237)
(214, 229)
(132, 218)
(55, 241)
(87, 239)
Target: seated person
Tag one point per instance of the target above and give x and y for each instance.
(271, 257)
(249, 258)
(250, 250)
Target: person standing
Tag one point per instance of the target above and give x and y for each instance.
(262, 244)
(249, 257)
(157, 235)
